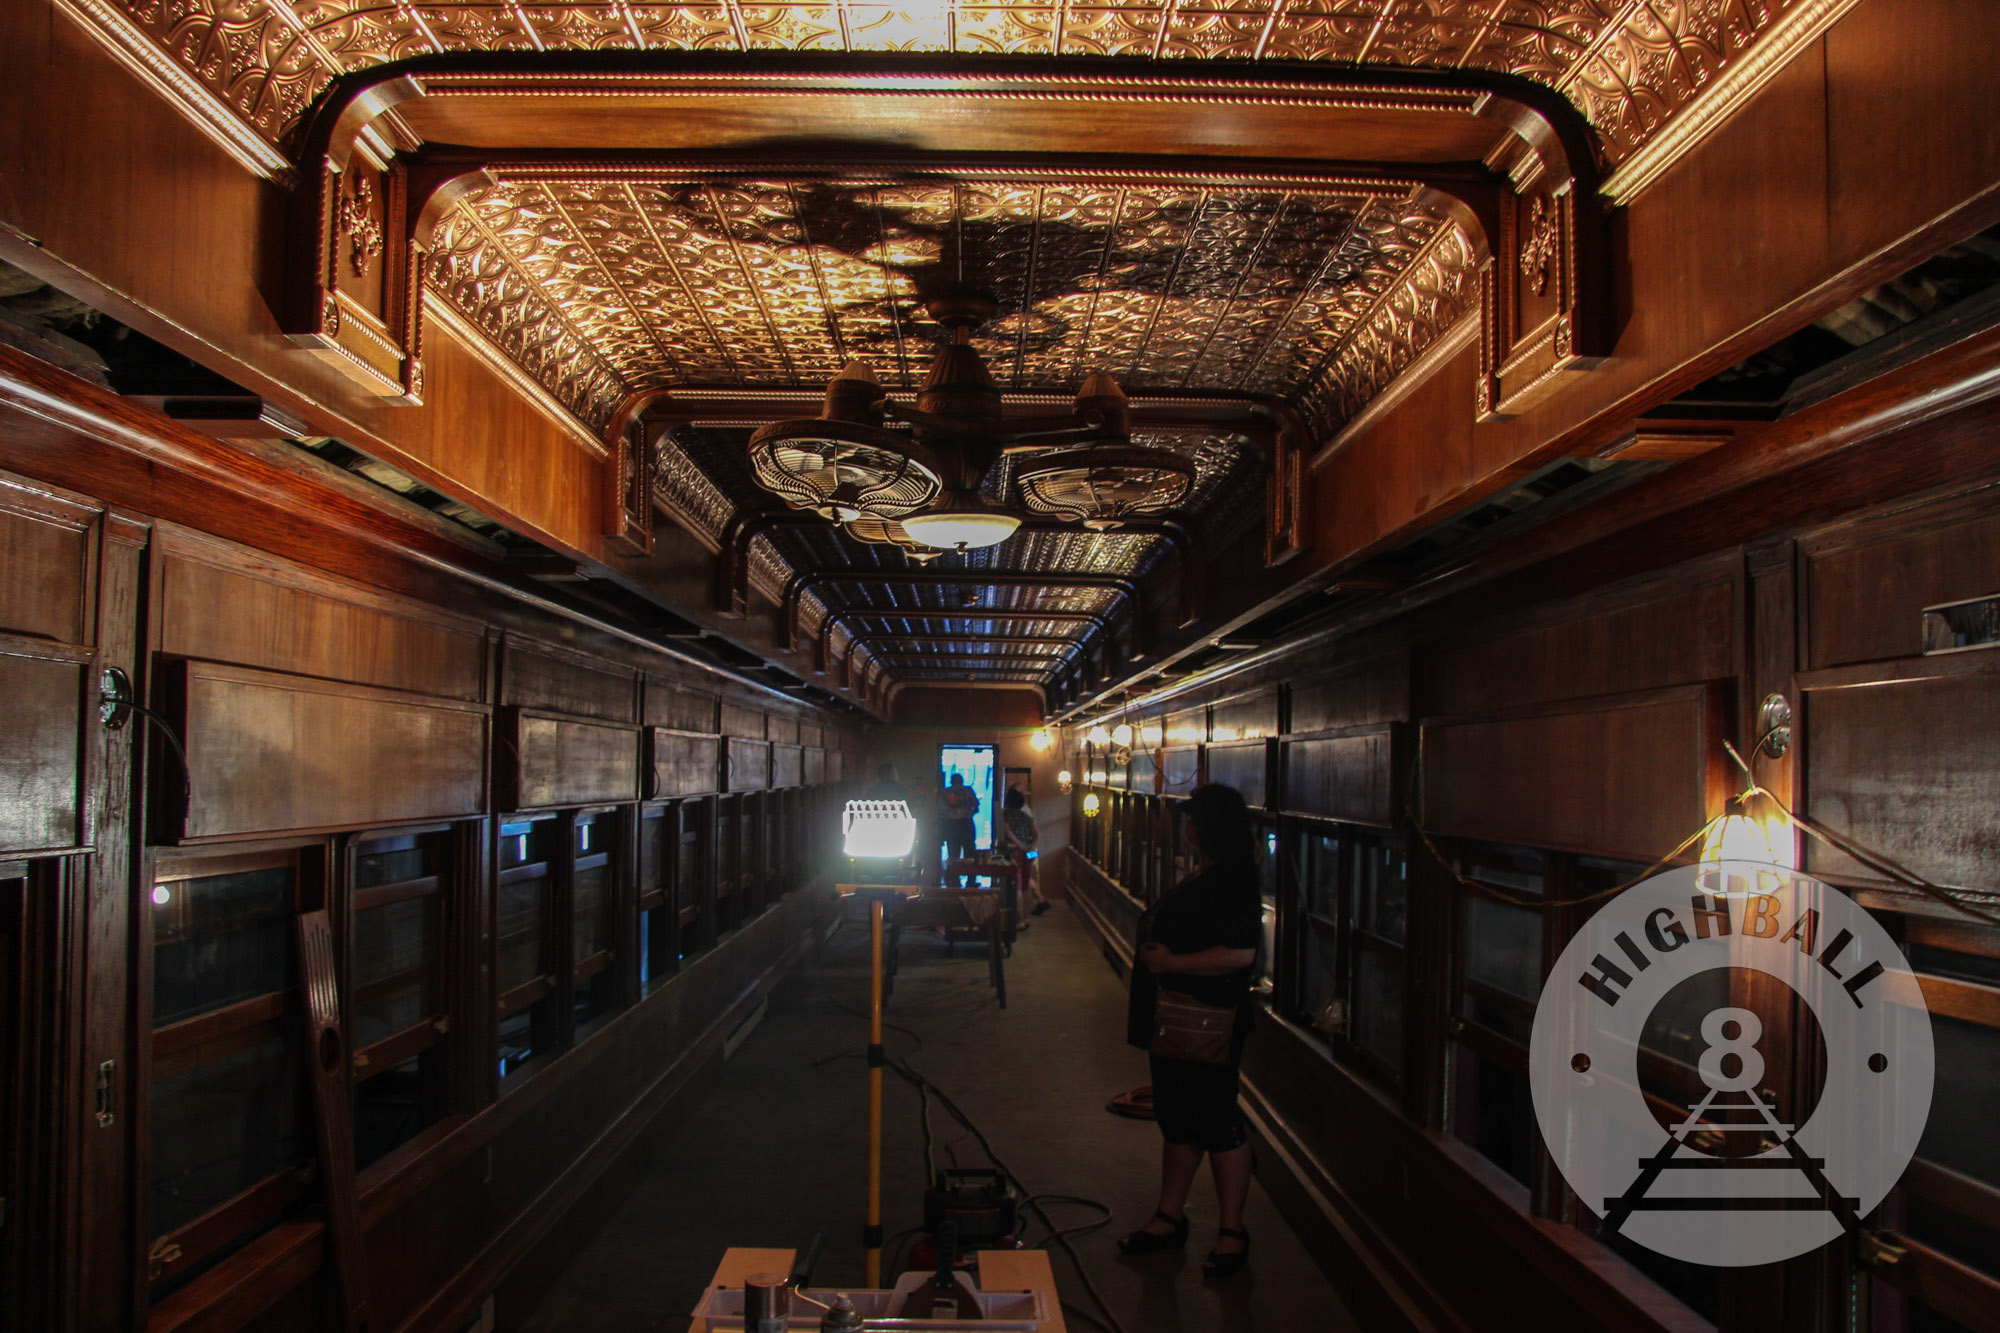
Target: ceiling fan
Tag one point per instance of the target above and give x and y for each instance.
(919, 486)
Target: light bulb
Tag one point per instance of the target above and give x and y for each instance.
(1741, 838)
(162, 895)
(1042, 740)
(1121, 734)
(1099, 736)
(1065, 781)
(1090, 805)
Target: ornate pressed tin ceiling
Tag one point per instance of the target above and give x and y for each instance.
(603, 287)
(1628, 65)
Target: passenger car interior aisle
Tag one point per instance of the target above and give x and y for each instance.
(776, 1150)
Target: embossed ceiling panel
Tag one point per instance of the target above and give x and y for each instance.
(779, 284)
(1629, 65)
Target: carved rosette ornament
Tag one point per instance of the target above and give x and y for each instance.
(358, 226)
(1544, 299)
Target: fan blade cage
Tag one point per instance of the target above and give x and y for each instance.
(812, 464)
(1106, 483)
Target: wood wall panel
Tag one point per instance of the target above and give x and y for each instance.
(1180, 769)
(1189, 726)
(749, 764)
(538, 678)
(45, 555)
(678, 708)
(42, 730)
(1866, 587)
(683, 764)
(738, 720)
(1628, 776)
(1243, 766)
(814, 765)
(1619, 640)
(224, 603)
(1906, 761)
(1377, 691)
(1349, 778)
(787, 765)
(269, 753)
(784, 729)
(1246, 719)
(563, 761)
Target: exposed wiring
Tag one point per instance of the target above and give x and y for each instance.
(166, 729)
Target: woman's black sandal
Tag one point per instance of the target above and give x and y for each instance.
(1143, 1241)
(1224, 1265)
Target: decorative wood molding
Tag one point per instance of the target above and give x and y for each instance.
(475, 342)
(1545, 298)
(1740, 80)
(107, 24)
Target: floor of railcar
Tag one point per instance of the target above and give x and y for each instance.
(775, 1151)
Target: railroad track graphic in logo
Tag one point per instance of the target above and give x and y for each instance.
(1729, 1177)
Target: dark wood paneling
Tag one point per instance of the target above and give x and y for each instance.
(678, 708)
(45, 549)
(1867, 584)
(1243, 765)
(225, 603)
(271, 753)
(1378, 691)
(536, 677)
(814, 766)
(42, 688)
(567, 761)
(1245, 719)
(1348, 777)
(1627, 776)
(683, 764)
(787, 765)
(1180, 769)
(749, 764)
(1661, 633)
(737, 720)
(784, 729)
(1905, 759)
(1187, 727)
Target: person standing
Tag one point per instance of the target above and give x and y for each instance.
(886, 787)
(1019, 835)
(957, 805)
(1190, 1009)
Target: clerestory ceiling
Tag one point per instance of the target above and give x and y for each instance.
(627, 233)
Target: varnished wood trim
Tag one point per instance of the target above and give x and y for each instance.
(1954, 1289)
(525, 994)
(226, 1221)
(1967, 1001)
(245, 1285)
(1741, 79)
(1954, 1190)
(384, 895)
(203, 1028)
(386, 1054)
(1976, 662)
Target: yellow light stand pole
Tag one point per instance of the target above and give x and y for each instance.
(872, 1235)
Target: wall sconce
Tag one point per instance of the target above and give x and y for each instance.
(1042, 740)
(1121, 735)
(1098, 736)
(1090, 804)
(1741, 838)
(1065, 782)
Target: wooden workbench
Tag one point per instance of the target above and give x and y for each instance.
(999, 1270)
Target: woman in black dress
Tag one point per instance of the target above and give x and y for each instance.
(1201, 941)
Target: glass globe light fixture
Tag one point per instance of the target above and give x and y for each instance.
(1099, 736)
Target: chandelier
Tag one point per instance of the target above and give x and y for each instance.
(917, 484)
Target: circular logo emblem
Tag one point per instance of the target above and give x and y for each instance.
(1731, 1064)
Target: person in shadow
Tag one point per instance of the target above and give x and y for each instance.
(1190, 1009)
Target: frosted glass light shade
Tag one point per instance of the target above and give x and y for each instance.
(952, 530)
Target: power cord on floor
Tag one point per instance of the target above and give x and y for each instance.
(1056, 1234)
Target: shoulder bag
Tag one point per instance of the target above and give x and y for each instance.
(1185, 1028)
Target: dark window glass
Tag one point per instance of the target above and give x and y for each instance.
(394, 985)
(220, 940)
(389, 1108)
(1378, 890)
(524, 920)
(222, 1125)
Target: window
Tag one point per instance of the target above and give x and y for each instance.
(1264, 833)
(691, 886)
(524, 973)
(1946, 1212)
(659, 914)
(592, 934)
(1497, 979)
(1377, 889)
(1313, 886)
(397, 1015)
(728, 861)
(229, 1125)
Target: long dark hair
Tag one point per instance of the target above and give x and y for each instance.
(1222, 827)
